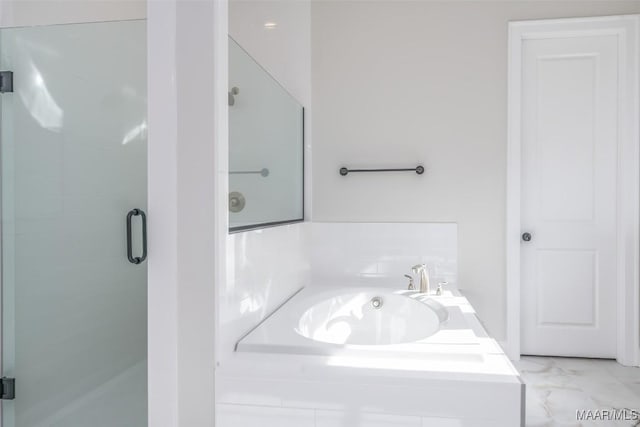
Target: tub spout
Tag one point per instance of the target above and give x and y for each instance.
(424, 277)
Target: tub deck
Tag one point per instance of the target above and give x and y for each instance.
(458, 377)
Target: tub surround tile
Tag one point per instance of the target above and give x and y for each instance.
(268, 389)
(252, 416)
(466, 422)
(440, 398)
(445, 392)
(254, 392)
(370, 405)
(381, 253)
(355, 417)
(264, 268)
(229, 415)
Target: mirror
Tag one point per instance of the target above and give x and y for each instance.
(266, 147)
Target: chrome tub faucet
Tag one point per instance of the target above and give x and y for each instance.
(421, 269)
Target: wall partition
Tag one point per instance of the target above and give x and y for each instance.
(74, 195)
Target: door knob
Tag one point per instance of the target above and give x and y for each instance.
(526, 237)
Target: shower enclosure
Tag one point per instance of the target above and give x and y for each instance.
(74, 194)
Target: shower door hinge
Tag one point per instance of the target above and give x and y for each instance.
(6, 81)
(8, 388)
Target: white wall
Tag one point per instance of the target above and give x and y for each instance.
(186, 44)
(380, 254)
(401, 83)
(163, 201)
(265, 267)
(183, 38)
(283, 51)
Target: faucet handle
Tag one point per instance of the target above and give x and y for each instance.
(410, 287)
(439, 290)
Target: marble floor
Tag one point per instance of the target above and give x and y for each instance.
(557, 387)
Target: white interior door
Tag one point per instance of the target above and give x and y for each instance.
(569, 195)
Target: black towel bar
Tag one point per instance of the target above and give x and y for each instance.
(418, 169)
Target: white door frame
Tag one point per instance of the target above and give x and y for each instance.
(627, 28)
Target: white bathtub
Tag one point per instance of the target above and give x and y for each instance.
(329, 357)
(375, 322)
(371, 317)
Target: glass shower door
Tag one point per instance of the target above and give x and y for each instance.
(74, 164)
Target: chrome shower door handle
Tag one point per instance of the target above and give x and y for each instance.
(143, 217)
